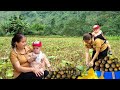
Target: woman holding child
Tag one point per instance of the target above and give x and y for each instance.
(21, 66)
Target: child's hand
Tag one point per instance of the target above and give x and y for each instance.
(34, 57)
(93, 34)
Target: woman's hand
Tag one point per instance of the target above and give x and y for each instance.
(34, 57)
(87, 63)
(91, 63)
(38, 72)
(31, 57)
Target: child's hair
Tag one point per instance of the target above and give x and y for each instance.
(17, 38)
(37, 43)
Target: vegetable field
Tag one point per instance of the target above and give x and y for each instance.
(58, 50)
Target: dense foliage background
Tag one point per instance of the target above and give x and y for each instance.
(64, 23)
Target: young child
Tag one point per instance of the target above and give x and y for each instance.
(37, 58)
(97, 33)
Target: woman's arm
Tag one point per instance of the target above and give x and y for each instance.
(87, 55)
(97, 49)
(17, 66)
(21, 68)
(96, 54)
(46, 61)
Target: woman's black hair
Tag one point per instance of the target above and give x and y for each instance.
(17, 38)
(87, 36)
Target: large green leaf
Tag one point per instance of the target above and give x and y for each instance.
(80, 67)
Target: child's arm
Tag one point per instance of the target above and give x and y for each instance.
(93, 35)
(103, 35)
(47, 62)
